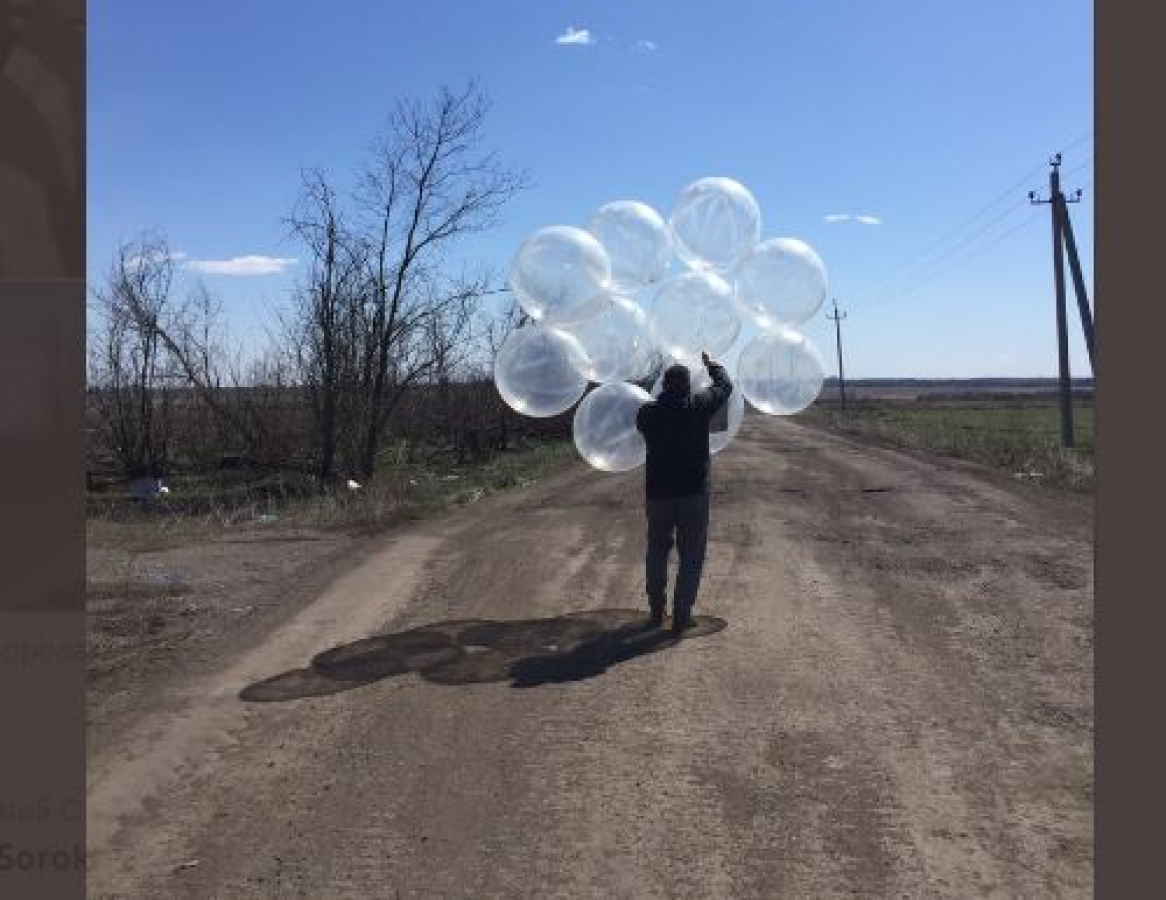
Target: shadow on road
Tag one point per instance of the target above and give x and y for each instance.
(527, 653)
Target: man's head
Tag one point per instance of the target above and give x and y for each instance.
(677, 381)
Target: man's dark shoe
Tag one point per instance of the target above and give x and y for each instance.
(682, 621)
(656, 617)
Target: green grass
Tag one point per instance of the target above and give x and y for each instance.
(401, 491)
(1020, 437)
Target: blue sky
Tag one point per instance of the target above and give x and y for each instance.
(930, 119)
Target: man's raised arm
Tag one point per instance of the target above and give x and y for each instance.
(714, 397)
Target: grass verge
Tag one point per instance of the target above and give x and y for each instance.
(1021, 438)
(402, 490)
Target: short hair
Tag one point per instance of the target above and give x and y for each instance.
(677, 379)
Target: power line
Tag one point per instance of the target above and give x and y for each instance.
(966, 257)
(1077, 140)
(953, 255)
(1079, 167)
(893, 272)
(979, 251)
(890, 274)
(937, 262)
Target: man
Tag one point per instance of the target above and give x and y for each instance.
(676, 430)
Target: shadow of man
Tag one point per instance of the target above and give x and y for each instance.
(528, 653)
(591, 657)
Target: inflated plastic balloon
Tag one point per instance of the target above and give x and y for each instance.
(637, 240)
(540, 371)
(695, 312)
(605, 427)
(560, 274)
(781, 283)
(715, 222)
(718, 440)
(780, 372)
(617, 341)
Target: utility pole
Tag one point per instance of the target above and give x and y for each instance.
(1078, 280)
(1066, 391)
(837, 319)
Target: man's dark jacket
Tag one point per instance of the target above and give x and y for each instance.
(676, 430)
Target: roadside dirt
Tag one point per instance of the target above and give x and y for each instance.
(169, 599)
(890, 695)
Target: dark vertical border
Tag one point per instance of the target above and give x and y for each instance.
(42, 527)
(1131, 599)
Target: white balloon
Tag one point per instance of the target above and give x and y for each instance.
(617, 341)
(695, 312)
(780, 372)
(637, 240)
(781, 283)
(715, 222)
(560, 274)
(605, 427)
(718, 440)
(540, 370)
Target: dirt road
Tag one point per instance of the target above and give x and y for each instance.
(890, 695)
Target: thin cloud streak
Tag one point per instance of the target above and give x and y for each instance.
(851, 217)
(573, 36)
(242, 265)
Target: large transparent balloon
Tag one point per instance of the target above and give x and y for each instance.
(617, 341)
(695, 312)
(715, 222)
(540, 371)
(780, 372)
(718, 440)
(605, 427)
(637, 240)
(560, 274)
(782, 282)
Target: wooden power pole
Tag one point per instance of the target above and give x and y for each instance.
(1062, 236)
(837, 319)
(1078, 279)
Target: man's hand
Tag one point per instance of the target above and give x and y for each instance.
(704, 358)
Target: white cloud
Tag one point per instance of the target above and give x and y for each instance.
(242, 265)
(577, 36)
(850, 217)
(645, 44)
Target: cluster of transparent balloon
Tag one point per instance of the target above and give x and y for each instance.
(604, 309)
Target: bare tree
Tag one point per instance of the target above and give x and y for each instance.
(496, 328)
(427, 184)
(185, 334)
(328, 327)
(494, 332)
(128, 362)
(378, 314)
